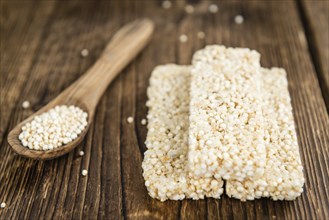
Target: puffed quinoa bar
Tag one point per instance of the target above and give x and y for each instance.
(283, 177)
(165, 161)
(226, 132)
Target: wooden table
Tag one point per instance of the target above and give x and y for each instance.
(40, 56)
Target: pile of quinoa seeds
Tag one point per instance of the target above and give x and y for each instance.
(54, 128)
(222, 119)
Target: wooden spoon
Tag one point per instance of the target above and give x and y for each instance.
(88, 89)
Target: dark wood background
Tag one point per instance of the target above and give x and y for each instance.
(40, 56)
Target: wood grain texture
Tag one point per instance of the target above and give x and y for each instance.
(20, 41)
(114, 187)
(316, 17)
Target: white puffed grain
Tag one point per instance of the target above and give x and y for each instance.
(143, 121)
(213, 8)
(226, 124)
(165, 162)
(2, 205)
(84, 53)
(201, 35)
(166, 4)
(183, 38)
(189, 9)
(130, 119)
(84, 172)
(26, 104)
(283, 177)
(238, 19)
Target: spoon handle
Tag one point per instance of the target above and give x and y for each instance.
(122, 48)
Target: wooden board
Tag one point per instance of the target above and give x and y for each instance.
(315, 15)
(114, 187)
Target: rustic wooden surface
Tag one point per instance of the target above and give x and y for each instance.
(40, 56)
(316, 17)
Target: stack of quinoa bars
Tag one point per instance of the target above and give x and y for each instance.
(222, 119)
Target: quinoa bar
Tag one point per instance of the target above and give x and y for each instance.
(226, 131)
(165, 161)
(283, 177)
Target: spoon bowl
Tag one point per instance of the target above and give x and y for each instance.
(17, 146)
(88, 89)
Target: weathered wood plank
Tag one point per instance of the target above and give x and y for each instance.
(316, 16)
(20, 41)
(137, 203)
(114, 187)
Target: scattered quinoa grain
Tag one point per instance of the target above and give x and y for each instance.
(26, 104)
(84, 53)
(183, 38)
(201, 35)
(143, 121)
(3, 205)
(189, 9)
(166, 4)
(239, 19)
(130, 119)
(49, 130)
(84, 172)
(81, 153)
(213, 8)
